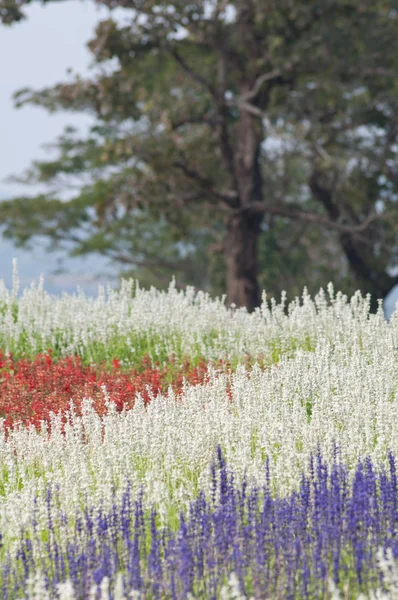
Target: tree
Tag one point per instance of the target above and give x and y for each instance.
(352, 144)
(183, 117)
(153, 250)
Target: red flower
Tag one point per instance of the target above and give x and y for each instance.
(31, 390)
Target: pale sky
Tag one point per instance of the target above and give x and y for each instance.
(38, 52)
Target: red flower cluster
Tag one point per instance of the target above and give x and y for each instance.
(31, 390)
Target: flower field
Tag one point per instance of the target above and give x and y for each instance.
(157, 445)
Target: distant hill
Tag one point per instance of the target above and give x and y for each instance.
(31, 264)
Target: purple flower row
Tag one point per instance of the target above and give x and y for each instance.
(284, 548)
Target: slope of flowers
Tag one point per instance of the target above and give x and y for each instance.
(123, 420)
(130, 323)
(316, 399)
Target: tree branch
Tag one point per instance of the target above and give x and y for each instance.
(211, 122)
(259, 82)
(196, 76)
(205, 184)
(250, 108)
(375, 72)
(291, 213)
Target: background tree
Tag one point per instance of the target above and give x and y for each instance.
(183, 118)
(152, 249)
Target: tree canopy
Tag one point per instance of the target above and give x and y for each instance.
(238, 145)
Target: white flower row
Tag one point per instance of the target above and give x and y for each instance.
(36, 590)
(184, 319)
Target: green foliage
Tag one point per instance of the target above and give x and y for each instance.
(153, 175)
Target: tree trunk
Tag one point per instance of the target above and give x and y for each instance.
(243, 228)
(241, 250)
(378, 283)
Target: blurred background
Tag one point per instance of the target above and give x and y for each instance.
(23, 132)
(238, 146)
